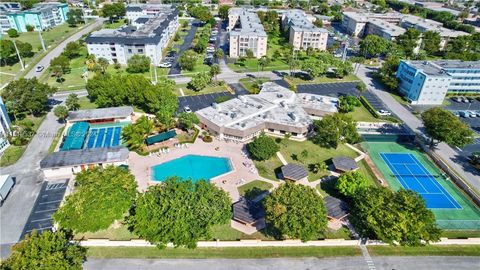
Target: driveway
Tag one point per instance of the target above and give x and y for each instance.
(455, 160)
(341, 263)
(187, 42)
(59, 49)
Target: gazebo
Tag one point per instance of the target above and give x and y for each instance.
(344, 164)
(336, 208)
(294, 172)
(247, 212)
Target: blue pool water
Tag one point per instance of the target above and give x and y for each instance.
(192, 167)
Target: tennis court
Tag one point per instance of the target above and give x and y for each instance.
(459, 213)
(410, 172)
(104, 137)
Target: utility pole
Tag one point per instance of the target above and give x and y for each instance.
(41, 40)
(18, 54)
(344, 55)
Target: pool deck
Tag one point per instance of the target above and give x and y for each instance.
(241, 174)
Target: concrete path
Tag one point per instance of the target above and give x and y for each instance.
(448, 154)
(282, 159)
(339, 263)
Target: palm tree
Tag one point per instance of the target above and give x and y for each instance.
(103, 63)
(57, 71)
(133, 138)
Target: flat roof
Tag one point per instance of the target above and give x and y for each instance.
(442, 67)
(294, 171)
(84, 157)
(297, 19)
(103, 113)
(249, 23)
(390, 28)
(274, 104)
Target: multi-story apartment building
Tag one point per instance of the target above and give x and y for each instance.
(4, 126)
(246, 33)
(42, 16)
(135, 11)
(427, 82)
(301, 31)
(5, 8)
(147, 36)
(391, 25)
(355, 23)
(276, 110)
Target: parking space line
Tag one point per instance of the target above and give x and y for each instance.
(37, 220)
(50, 202)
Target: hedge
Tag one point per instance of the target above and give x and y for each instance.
(369, 107)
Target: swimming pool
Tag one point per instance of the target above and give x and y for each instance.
(192, 167)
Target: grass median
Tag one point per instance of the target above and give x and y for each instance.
(433, 250)
(227, 253)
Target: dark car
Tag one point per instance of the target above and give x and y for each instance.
(171, 54)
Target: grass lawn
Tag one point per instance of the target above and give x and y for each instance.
(460, 234)
(367, 172)
(399, 98)
(85, 103)
(292, 152)
(226, 253)
(323, 79)
(450, 250)
(254, 189)
(55, 141)
(227, 233)
(199, 67)
(250, 83)
(113, 25)
(267, 168)
(74, 80)
(361, 114)
(120, 233)
(212, 88)
(11, 155)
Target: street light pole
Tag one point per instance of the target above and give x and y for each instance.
(18, 54)
(41, 40)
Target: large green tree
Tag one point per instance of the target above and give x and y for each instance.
(48, 250)
(72, 102)
(188, 60)
(335, 129)
(27, 96)
(262, 147)
(373, 46)
(351, 182)
(179, 212)
(314, 67)
(113, 11)
(444, 126)
(61, 112)
(187, 120)
(200, 81)
(409, 41)
(394, 217)
(61, 61)
(138, 64)
(388, 71)
(431, 42)
(102, 195)
(223, 12)
(295, 211)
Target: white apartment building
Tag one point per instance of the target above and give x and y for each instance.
(147, 36)
(276, 111)
(301, 31)
(4, 126)
(6, 7)
(355, 23)
(135, 11)
(246, 33)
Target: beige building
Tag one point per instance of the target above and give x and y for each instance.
(301, 31)
(276, 110)
(246, 33)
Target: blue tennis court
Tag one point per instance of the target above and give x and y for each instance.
(408, 170)
(104, 137)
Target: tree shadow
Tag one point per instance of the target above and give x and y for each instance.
(254, 192)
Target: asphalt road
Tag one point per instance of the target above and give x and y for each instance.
(347, 263)
(455, 160)
(187, 41)
(59, 49)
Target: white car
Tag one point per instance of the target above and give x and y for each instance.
(39, 68)
(187, 109)
(384, 113)
(165, 65)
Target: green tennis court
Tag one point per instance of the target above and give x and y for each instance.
(467, 217)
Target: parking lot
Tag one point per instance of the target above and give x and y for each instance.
(199, 102)
(46, 204)
(187, 41)
(341, 89)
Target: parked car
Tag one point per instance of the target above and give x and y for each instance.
(187, 109)
(465, 100)
(6, 184)
(472, 114)
(208, 61)
(39, 68)
(210, 50)
(457, 99)
(171, 54)
(165, 64)
(384, 113)
(214, 32)
(464, 114)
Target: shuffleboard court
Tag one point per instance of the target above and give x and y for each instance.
(412, 175)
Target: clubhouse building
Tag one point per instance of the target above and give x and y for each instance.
(276, 110)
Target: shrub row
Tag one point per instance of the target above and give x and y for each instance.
(369, 107)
